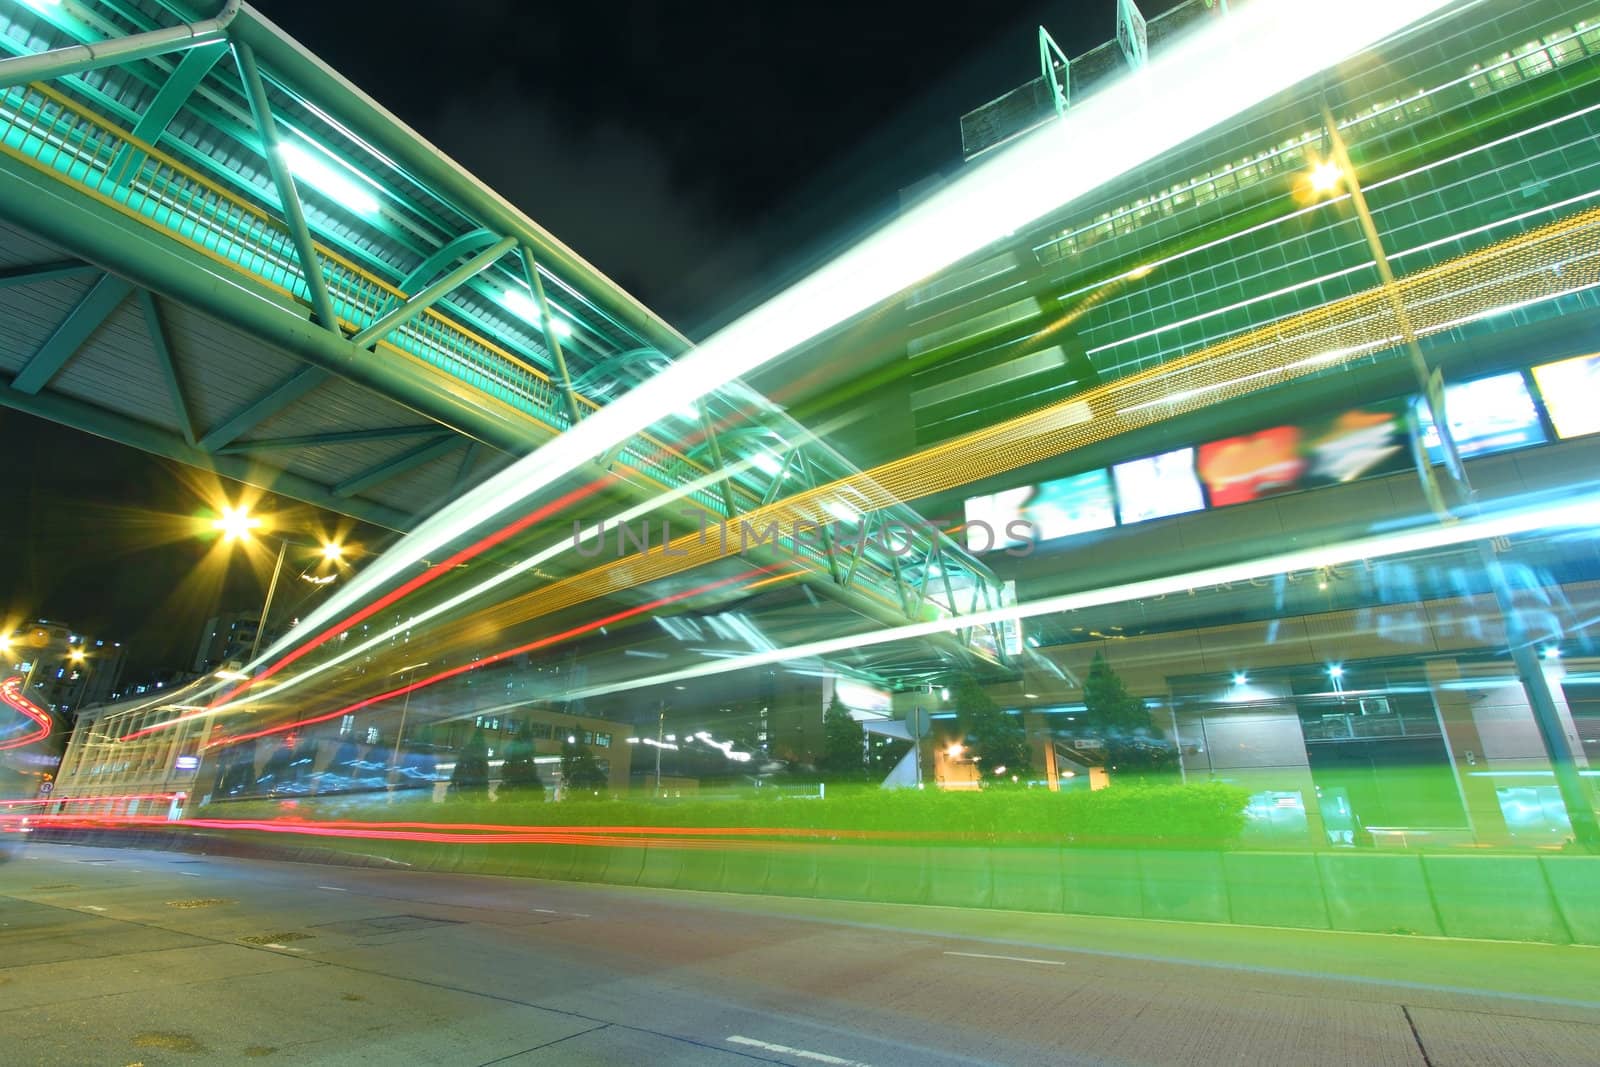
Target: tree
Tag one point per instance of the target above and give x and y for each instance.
(579, 771)
(471, 775)
(520, 774)
(1123, 723)
(996, 740)
(1108, 706)
(843, 745)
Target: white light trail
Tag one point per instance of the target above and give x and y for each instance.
(1581, 515)
(1189, 87)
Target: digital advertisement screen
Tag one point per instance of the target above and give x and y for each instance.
(1571, 391)
(858, 696)
(1068, 506)
(1158, 486)
(1055, 509)
(1486, 416)
(1356, 444)
(988, 518)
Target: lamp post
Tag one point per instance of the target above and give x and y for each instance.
(661, 725)
(237, 524)
(1325, 179)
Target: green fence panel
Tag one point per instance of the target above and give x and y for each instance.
(792, 871)
(589, 863)
(556, 861)
(1184, 885)
(702, 868)
(662, 868)
(624, 864)
(1377, 893)
(1275, 889)
(744, 870)
(899, 874)
(844, 872)
(1101, 882)
(1494, 896)
(1575, 887)
(961, 877)
(1026, 879)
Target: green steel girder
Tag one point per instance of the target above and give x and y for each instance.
(137, 434)
(43, 272)
(374, 126)
(465, 245)
(168, 364)
(264, 407)
(724, 483)
(169, 100)
(324, 440)
(396, 317)
(80, 324)
(530, 269)
(411, 459)
(465, 470)
(75, 59)
(288, 196)
(778, 477)
(53, 210)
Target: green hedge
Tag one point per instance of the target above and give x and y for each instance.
(1208, 815)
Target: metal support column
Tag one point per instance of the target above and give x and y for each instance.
(530, 268)
(1574, 793)
(293, 213)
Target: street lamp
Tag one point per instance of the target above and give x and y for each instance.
(1325, 177)
(1541, 701)
(238, 524)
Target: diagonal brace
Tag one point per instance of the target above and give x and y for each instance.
(394, 318)
(77, 58)
(393, 468)
(81, 323)
(264, 407)
(293, 213)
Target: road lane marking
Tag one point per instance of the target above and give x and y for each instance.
(93, 907)
(1013, 959)
(333, 889)
(798, 1053)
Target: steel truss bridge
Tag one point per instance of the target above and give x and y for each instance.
(215, 249)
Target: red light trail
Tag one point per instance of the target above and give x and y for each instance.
(11, 696)
(452, 672)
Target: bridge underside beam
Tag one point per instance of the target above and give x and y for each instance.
(105, 237)
(393, 468)
(84, 319)
(131, 432)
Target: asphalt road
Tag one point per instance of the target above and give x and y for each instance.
(120, 957)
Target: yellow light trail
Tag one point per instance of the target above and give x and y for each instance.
(1561, 257)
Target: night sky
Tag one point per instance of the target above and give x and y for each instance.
(697, 153)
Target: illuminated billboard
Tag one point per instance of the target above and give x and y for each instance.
(1158, 486)
(1356, 444)
(1052, 510)
(1571, 391)
(1486, 416)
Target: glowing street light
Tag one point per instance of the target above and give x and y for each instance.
(955, 749)
(75, 655)
(236, 524)
(332, 551)
(1325, 177)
